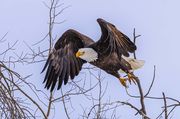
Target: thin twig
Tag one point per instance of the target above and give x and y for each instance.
(134, 40)
(1, 40)
(64, 104)
(150, 87)
(50, 104)
(165, 106)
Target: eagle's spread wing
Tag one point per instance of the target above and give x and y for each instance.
(113, 40)
(62, 62)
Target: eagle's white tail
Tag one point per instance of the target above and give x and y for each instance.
(135, 64)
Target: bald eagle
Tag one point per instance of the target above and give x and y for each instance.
(110, 53)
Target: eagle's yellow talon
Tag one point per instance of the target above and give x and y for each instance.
(132, 78)
(123, 81)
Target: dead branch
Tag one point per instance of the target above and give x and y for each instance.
(165, 107)
(143, 109)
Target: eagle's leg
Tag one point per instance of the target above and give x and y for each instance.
(131, 77)
(121, 79)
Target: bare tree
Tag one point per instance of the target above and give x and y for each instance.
(16, 102)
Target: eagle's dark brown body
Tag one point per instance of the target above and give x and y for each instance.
(112, 64)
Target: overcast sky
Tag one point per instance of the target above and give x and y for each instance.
(158, 21)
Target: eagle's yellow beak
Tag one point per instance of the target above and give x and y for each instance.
(78, 54)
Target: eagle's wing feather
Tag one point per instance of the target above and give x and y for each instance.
(113, 40)
(62, 63)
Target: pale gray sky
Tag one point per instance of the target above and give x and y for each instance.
(156, 20)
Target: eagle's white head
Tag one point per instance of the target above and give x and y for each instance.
(87, 54)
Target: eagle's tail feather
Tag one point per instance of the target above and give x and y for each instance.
(135, 64)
